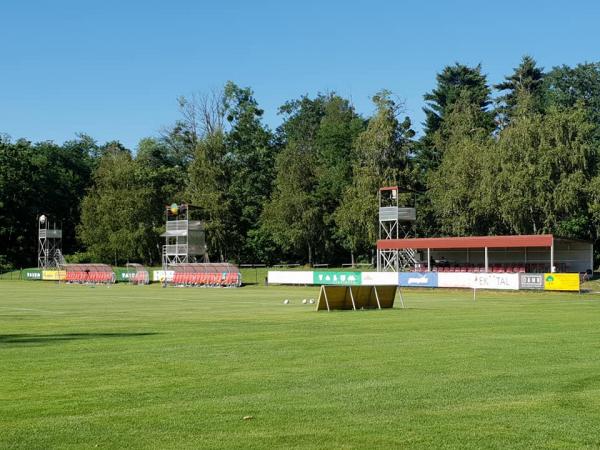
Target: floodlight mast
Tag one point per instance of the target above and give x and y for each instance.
(395, 222)
(49, 244)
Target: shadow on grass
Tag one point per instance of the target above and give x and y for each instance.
(55, 338)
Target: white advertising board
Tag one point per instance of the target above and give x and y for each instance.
(455, 279)
(379, 278)
(496, 281)
(162, 275)
(290, 277)
(479, 280)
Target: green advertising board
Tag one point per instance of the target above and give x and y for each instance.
(31, 274)
(338, 278)
(123, 274)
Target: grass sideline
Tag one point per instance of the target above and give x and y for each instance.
(146, 367)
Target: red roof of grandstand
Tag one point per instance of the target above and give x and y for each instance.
(531, 240)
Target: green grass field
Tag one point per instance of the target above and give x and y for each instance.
(146, 367)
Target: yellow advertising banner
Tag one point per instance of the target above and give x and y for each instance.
(54, 275)
(561, 281)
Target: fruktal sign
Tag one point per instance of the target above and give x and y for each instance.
(337, 278)
(496, 281)
(478, 280)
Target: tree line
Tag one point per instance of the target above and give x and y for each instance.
(518, 157)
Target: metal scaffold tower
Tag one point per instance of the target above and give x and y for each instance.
(184, 236)
(395, 222)
(49, 244)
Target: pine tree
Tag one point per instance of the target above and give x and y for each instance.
(527, 79)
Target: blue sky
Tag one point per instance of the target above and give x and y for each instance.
(113, 69)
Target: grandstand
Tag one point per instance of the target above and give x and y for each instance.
(496, 254)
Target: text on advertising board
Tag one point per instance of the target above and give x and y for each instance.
(338, 278)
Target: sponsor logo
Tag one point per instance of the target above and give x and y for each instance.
(428, 279)
(531, 281)
(561, 282)
(496, 281)
(339, 278)
(420, 280)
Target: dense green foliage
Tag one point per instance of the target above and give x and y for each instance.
(41, 178)
(522, 156)
(145, 367)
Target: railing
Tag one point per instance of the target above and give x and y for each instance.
(357, 265)
(175, 249)
(177, 225)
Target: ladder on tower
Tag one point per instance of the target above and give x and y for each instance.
(59, 259)
(407, 258)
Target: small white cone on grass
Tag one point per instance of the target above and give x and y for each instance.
(311, 301)
(286, 301)
(304, 301)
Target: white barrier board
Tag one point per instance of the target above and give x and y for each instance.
(479, 280)
(290, 277)
(496, 281)
(380, 278)
(162, 275)
(455, 279)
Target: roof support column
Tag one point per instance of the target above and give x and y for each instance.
(486, 259)
(428, 260)
(552, 257)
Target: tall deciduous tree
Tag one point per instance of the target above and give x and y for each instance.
(122, 214)
(207, 188)
(250, 163)
(544, 164)
(313, 170)
(382, 159)
(337, 134)
(291, 216)
(41, 178)
(457, 187)
(565, 86)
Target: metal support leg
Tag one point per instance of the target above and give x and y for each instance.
(325, 295)
(377, 297)
(428, 260)
(352, 298)
(401, 299)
